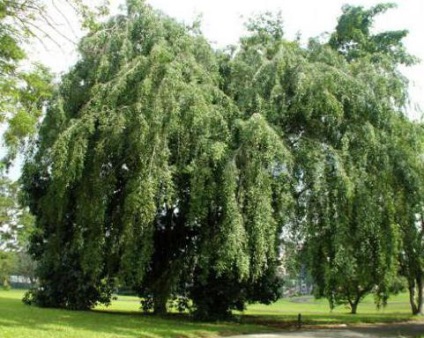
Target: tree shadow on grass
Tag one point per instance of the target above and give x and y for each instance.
(30, 321)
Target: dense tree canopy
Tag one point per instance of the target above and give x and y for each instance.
(170, 167)
(409, 202)
(142, 141)
(339, 106)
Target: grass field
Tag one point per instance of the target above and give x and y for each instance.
(20, 321)
(123, 319)
(317, 312)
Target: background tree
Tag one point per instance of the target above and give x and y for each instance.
(15, 227)
(24, 85)
(354, 37)
(22, 91)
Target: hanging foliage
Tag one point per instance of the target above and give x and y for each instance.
(171, 168)
(140, 143)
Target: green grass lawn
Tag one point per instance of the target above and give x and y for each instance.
(123, 319)
(19, 320)
(317, 312)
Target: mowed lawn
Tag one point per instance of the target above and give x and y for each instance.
(124, 319)
(317, 312)
(21, 321)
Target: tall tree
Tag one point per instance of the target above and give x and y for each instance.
(336, 105)
(369, 144)
(146, 170)
(15, 228)
(169, 166)
(409, 202)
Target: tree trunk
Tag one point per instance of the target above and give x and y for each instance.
(160, 301)
(411, 289)
(354, 304)
(419, 302)
(353, 308)
(416, 296)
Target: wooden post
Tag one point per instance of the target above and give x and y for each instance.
(299, 321)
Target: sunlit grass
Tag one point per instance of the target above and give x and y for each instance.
(124, 318)
(318, 312)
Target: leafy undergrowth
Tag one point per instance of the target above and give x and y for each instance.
(124, 319)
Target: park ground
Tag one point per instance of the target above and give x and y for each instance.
(123, 319)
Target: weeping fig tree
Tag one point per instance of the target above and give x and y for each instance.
(146, 173)
(336, 104)
(409, 203)
(370, 139)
